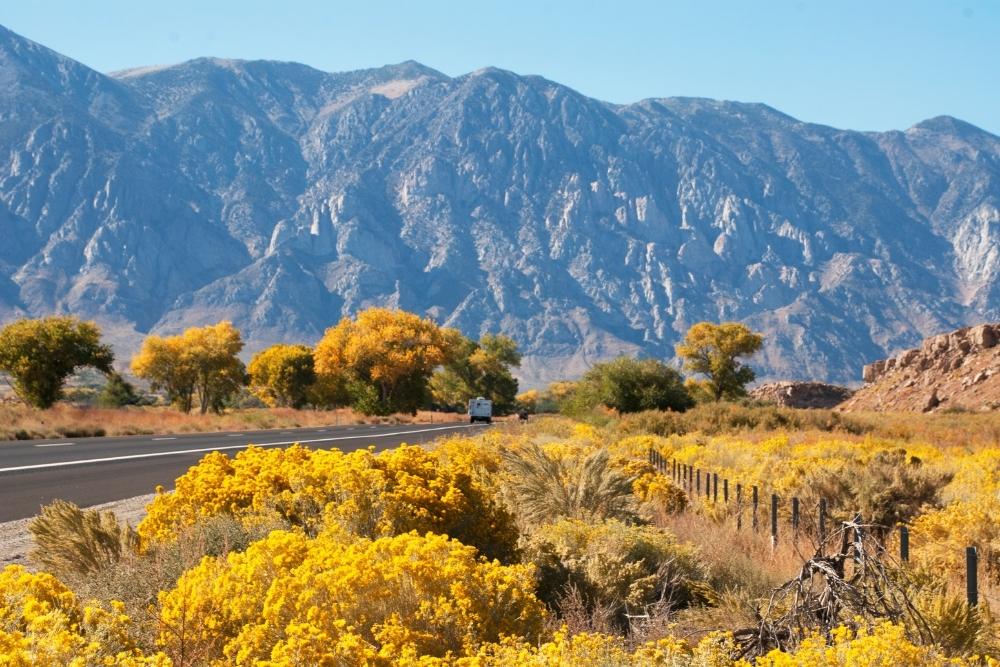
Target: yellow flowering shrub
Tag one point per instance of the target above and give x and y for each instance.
(943, 534)
(347, 601)
(594, 649)
(885, 645)
(43, 624)
(368, 494)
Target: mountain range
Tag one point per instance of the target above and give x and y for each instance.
(284, 198)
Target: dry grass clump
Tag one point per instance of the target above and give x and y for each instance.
(72, 543)
(20, 422)
(546, 487)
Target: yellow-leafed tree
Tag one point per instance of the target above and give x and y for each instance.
(385, 357)
(282, 375)
(40, 354)
(200, 362)
(712, 350)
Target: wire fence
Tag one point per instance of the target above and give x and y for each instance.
(703, 484)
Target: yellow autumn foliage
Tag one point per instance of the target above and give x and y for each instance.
(366, 494)
(289, 600)
(885, 645)
(200, 362)
(391, 352)
(42, 624)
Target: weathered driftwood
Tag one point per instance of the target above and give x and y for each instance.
(858, 582)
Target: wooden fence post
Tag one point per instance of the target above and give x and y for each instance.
(822, 520)
(697, 481)
(725, 491)
(715, 487)
(739, 506)
(904, 544)
(795, 518)
(774, 520)
(972, 576)
(755, 501)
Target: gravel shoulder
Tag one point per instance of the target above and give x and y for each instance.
(16, 543)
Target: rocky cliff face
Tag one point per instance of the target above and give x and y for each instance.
(283, 198)
(801, 394)
(958, 370)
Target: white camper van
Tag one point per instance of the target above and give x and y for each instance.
(480, 410)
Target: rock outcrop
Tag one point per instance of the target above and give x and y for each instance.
(801, 394)
(958, 370)
(284, 198)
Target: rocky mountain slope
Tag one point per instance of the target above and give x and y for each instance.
(283, 198)
(959, 370)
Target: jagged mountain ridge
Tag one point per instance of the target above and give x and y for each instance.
(283, 198)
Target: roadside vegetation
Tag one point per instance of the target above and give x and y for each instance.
(382, 365)
(570, 539)
(554, 542)
(20, 422)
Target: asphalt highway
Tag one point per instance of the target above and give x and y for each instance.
(89, 471)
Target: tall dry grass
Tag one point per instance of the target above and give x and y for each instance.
(943, 429)
(20, 422)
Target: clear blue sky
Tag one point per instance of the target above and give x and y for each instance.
(871, 65)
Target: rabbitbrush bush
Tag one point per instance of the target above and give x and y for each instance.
(377, 559)
(367, 494)
(339, 600)
(43, 624)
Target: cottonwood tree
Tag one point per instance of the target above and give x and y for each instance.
(713, 350)
(282, 375)
(40, 354)
(202, 362)
(385, 358)
(479, 369)
(632, 385)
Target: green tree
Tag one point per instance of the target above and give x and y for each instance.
(40, 354)
(282, 375)
(479, 369)
(633, 385)
(713, 350)
(118, 392)
(200, 362)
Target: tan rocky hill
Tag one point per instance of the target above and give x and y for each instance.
(801, 394)
(958, 370)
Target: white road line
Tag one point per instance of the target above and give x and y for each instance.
(235, 435)
(40, 466)
(164, 439)
(57, 444)
(285, 433)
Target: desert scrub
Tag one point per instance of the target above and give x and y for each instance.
(42, 623)
(545, 484)
(72, 543)
(615, 565)
(598, 649)
(885, 644)
(367, 494)
(337, 599)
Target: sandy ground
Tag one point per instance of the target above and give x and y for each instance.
(15, 540)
